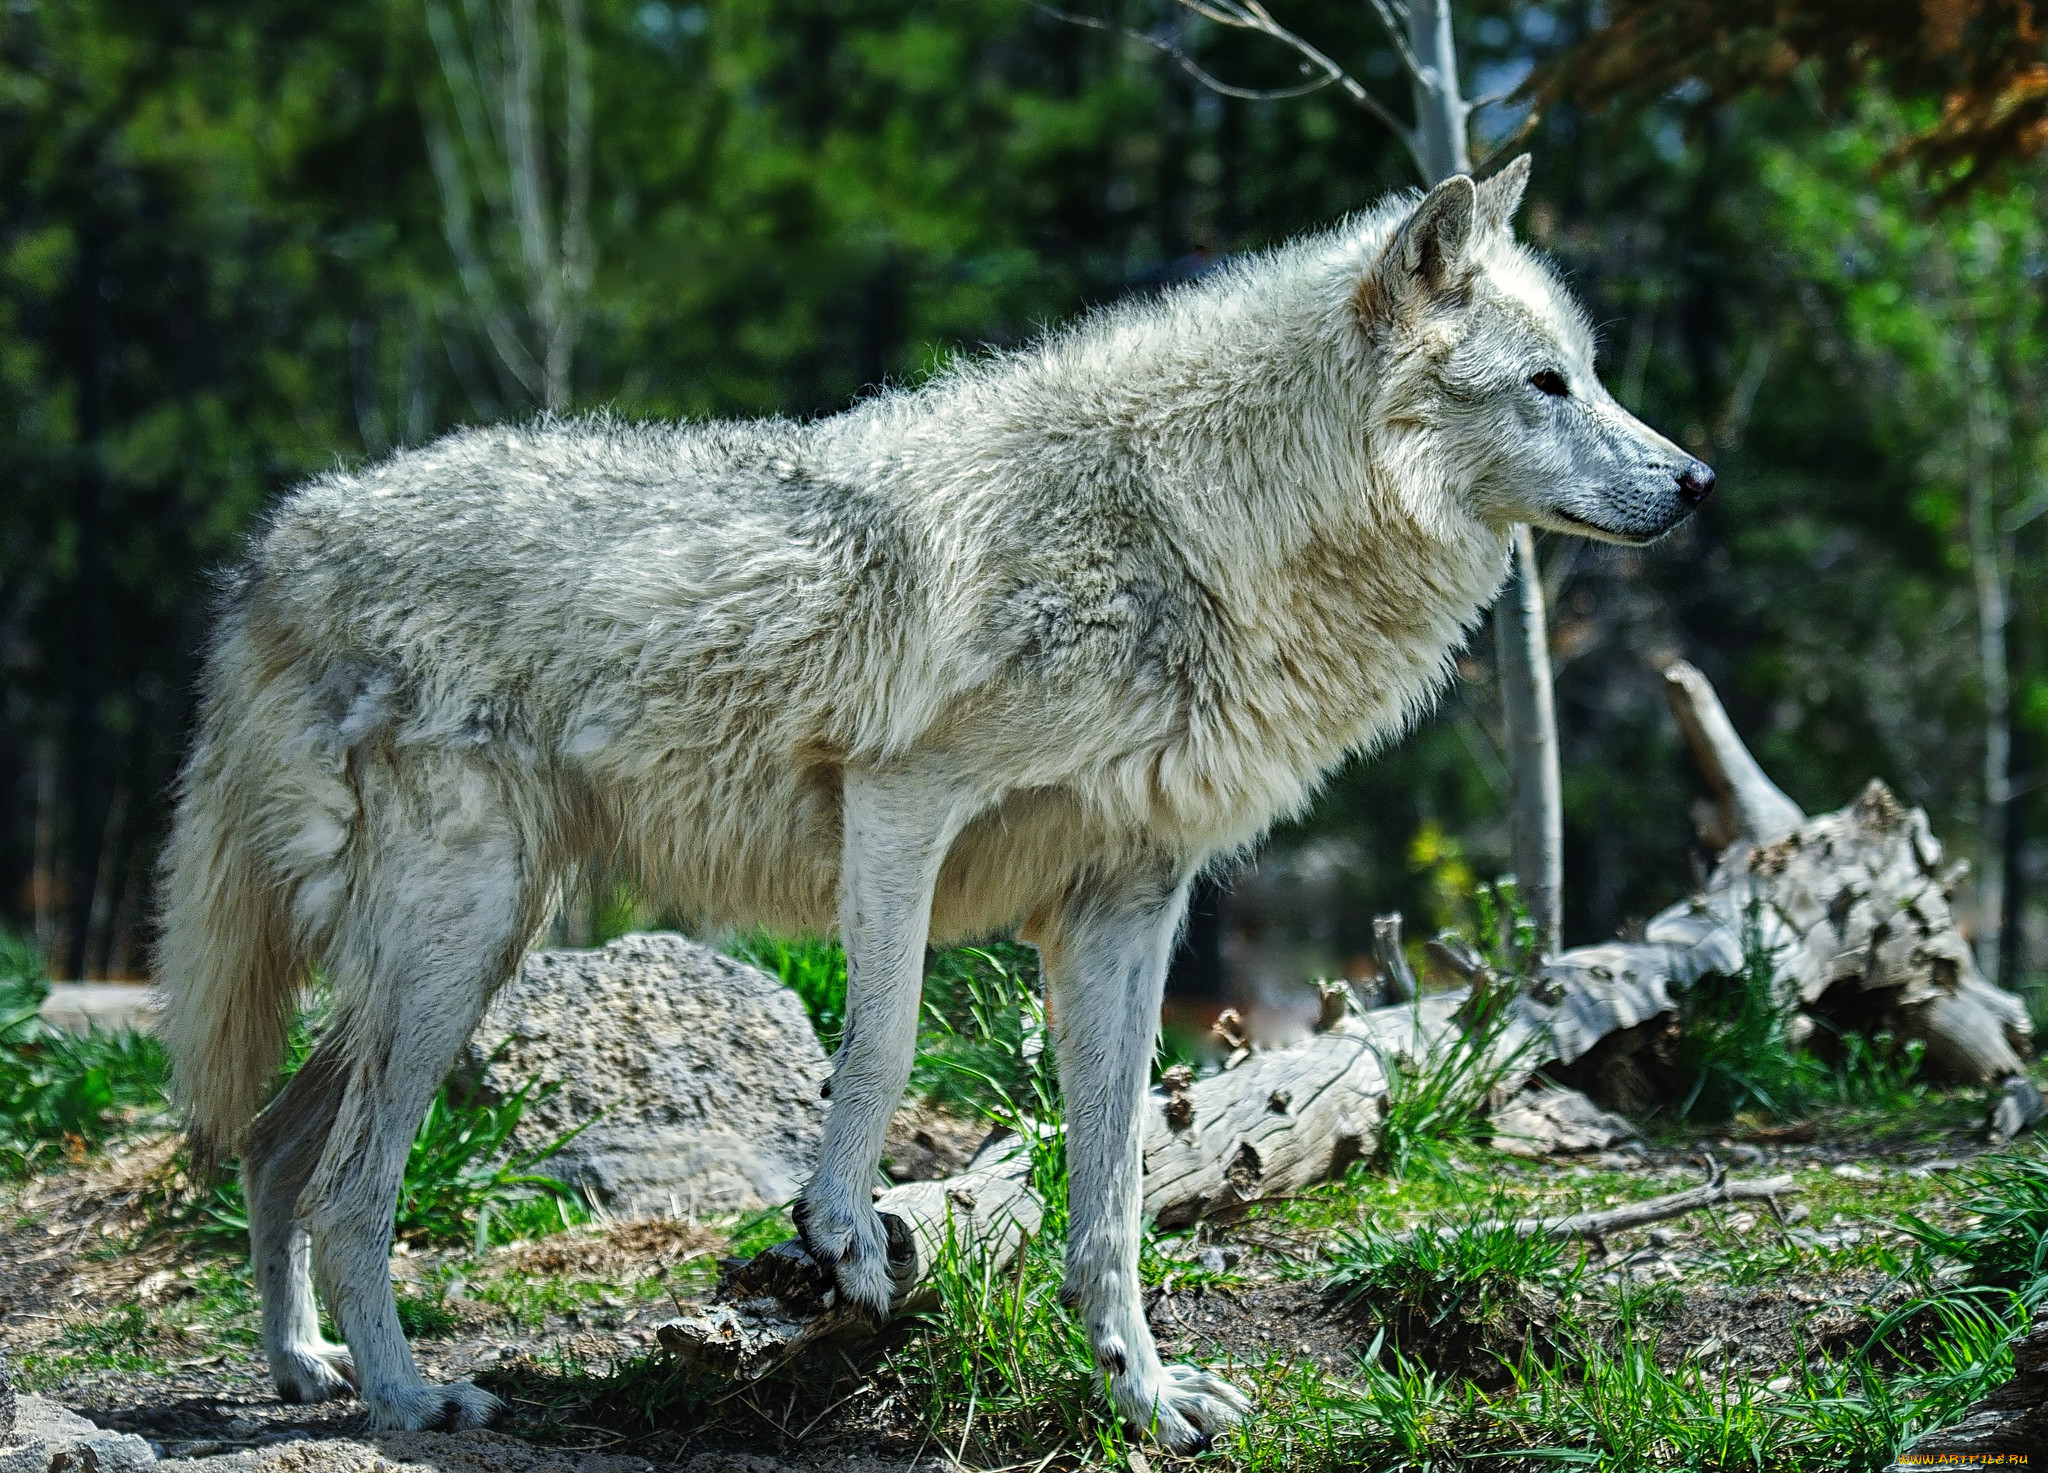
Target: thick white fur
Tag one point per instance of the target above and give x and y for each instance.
(1026, 646)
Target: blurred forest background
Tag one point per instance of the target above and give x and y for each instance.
(243, 242)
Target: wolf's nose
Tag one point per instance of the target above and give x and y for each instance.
(1695, 483)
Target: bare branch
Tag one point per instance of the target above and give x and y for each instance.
(1171, 47)
(1248, 15)
(1397, 32)
(1656, 1209)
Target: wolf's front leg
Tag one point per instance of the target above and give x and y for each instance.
(898, 828)
(1106, 964)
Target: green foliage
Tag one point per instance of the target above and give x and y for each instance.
(426, 1315)
(1467, 1269)
(2005, 1245)
(63, 1093)
(1458, 1294)
(982, 1039)
(1878, 1071)
(1509, 940)
(814, 970)
(1440, 1102)
(1734, 1050)
(973, 1024)
(464, 1181)
(124, 1329)
(1001, 1367)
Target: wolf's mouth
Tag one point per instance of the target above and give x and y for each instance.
(1606, 534)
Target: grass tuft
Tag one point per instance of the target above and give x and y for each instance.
(464, 1182)
(1466, 1297)
(62, 1094)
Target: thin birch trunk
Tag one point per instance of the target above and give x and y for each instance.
(522, 244)
(1988, 571)
(1535, 786)
(1521, 629)
(1440, 111)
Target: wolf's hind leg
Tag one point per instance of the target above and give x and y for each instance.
(440, 928)
(283, 1148)
(897, 831)
(1106, 966)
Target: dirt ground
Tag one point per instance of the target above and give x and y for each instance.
(105, 1311)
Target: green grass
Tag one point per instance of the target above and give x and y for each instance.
(62, 1094)
(971, 1046)
(123, 1339)
(465, 1184)
(2004, 1244)
(1737, 1052)
(1470, 1295)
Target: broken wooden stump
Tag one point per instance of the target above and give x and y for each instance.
(1851, 911)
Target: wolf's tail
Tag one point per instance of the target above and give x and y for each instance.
(226, 958)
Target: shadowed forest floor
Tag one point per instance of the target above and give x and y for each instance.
(1726, 1322)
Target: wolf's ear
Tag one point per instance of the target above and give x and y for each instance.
(1501, 195)
(1432, 253)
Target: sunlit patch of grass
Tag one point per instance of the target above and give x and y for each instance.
(1001, 1369)
(62, 1094)
(122, 1338)
(223, 1305)
(529, 1300)
(2004, 1242)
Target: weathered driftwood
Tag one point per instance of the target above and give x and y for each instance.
(1852, 909)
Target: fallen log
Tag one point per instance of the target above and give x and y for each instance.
(1851, 910)
(1276, 1123)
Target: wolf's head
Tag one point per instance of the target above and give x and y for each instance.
(1488, 355)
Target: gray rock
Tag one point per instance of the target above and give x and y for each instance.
(1556, 1122)
(110, 1007)
(706, 1072)
(46, 1437)
(2018, 1106)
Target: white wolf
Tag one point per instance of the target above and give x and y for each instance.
(1027, 646)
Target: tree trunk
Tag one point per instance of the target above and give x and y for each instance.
(1536, 800)
(1439, 111)
(1988, 574)
(1535, 786)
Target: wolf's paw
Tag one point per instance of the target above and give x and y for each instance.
(424, 1408)
(872, 1257)
(313, 1371)
(1187, 1409)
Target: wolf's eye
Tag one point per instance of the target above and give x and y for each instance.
(1551, 382)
